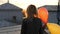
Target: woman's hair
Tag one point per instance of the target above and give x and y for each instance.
(31, 10)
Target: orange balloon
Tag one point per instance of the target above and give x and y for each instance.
(43, 14)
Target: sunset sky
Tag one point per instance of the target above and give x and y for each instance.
(24, 3)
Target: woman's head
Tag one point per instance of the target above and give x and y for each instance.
(31, 10)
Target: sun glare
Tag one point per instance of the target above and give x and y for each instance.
(2, 1)
(24, 3)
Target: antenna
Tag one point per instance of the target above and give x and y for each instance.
(8, 1)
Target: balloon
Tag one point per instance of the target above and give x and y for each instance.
(53, 28)
(43, 14)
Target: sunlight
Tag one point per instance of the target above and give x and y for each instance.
(2, 1)
(24, 3)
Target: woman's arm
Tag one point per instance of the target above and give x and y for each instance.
(23, 30)
(41, 28)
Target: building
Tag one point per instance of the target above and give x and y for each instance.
(11, 13)
(10, 19)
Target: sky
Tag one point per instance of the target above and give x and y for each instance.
(24, 3)
(3, 1)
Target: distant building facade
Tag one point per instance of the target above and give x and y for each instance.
(11, 13)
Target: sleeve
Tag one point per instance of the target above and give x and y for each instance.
(40, 22)
(23, 29)
(40, 28)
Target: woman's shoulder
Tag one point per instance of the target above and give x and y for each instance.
(36, 18)
(25, 19)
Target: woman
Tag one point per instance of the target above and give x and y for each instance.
(32, 24)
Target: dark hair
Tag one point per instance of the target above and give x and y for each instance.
(31, 10)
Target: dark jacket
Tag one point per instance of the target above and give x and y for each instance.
(32, 26)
